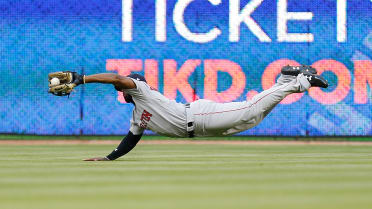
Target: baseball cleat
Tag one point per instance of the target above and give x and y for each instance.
(316, 80)
(295, 70)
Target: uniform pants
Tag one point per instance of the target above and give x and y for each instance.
(221, 119)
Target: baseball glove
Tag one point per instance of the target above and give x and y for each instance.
(67, 82)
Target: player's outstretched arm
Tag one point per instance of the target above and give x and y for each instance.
(62, 83)
(120, 82)
(126, 145)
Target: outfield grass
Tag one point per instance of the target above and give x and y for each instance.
(187, 176)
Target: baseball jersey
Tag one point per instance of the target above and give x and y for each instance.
(156, 112)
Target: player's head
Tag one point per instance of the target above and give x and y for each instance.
(128, 98)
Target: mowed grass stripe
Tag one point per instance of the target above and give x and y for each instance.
(187, 176)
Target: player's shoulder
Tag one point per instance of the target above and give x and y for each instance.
(143, 86)
(140, 87)
(140, 84)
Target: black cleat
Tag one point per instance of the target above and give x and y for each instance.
(316, 80)
(295, 70)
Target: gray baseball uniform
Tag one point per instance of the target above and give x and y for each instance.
(167, 117)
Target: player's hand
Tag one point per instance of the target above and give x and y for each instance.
(97, 159)
(65, 82)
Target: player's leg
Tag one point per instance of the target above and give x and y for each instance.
(264, 102)
(216, 118)
(213, 118)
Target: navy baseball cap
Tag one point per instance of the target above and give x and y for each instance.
(138, 77)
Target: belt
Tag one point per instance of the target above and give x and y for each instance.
(189, 121)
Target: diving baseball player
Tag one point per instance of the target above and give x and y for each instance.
(200, 118)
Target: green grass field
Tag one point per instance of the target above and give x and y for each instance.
(187, 176)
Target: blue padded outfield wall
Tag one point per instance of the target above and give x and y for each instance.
(225, 50)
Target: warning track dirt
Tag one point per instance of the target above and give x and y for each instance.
(207, 142)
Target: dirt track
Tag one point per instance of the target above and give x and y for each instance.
(225, 142)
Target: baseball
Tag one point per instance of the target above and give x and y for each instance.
(54, 81)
